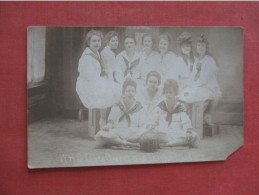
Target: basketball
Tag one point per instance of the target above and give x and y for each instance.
(149, 142)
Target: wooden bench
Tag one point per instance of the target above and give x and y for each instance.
(93, 120)
(196, 115)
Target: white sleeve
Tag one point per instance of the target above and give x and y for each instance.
(87, 67)
(137, 71)
(108, 59)
(186, 122)
(142, 67)
(172, 71)
(105, 58)
(119, 75)
(208, 72)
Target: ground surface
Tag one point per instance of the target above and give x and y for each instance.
(62, 143)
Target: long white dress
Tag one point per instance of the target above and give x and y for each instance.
(127, 124)
(203, 84)
(95, 91)
(173, 125)
(149, 63)
(168, 66)
(108, 57)
(127, 67)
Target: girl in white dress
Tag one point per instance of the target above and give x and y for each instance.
(126, 120)
(150, 59)
(169, 120)
(151, 95)
(168, 66)
(205, 85)
(128, 61)
(186, 65)
(93, 87)
(108, 54)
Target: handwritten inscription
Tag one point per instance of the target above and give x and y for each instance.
(84, 158)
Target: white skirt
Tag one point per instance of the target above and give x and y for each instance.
(196, 94)
(101, 93)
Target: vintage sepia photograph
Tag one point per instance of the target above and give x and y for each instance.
(99, 96)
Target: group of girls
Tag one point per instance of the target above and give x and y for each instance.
(148, 90)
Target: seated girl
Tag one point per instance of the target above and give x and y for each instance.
(93, 88)
(126, 120)
(186, 64)
(204, 85)
(170, 122)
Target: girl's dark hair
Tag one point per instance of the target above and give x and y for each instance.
(148, 35)
(154, 74)
(128, 82)
(131, 36)
(203, 39)
(90, 34)
(170, 84)
(166, 37)
(185, 37)
(110, 35)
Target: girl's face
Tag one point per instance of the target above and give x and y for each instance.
(148, 43)
(201, 48)
(114, 42)
(130, 92)
(129, 44)
(170, 94)
(95, 43)
(152, 83)
(163, 46)
(186, 48)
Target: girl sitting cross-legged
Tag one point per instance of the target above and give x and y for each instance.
(151, 94)
(126, 120)
(170, 122)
